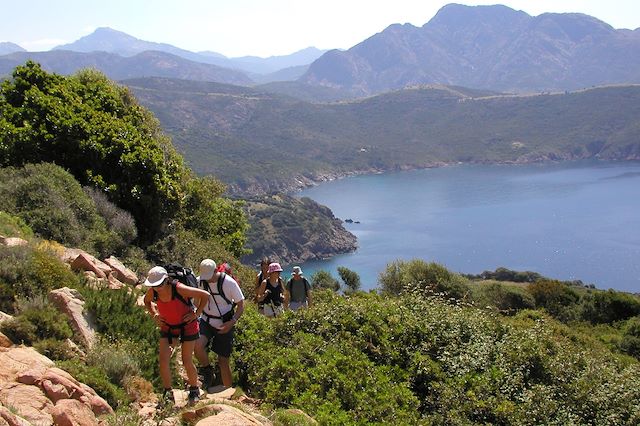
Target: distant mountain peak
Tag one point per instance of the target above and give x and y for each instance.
(7, 47)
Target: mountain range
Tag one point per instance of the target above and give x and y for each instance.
(486, 47)
(492, 47)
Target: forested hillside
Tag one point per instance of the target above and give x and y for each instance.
(286, 144)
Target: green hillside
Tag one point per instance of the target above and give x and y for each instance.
(284, 143)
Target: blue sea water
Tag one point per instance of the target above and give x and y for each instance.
(569, 221)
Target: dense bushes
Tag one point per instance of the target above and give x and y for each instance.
(401, 276)
(372, 359)
(53, 204)
(27, 273)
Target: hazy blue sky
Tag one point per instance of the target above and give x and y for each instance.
(254, 27)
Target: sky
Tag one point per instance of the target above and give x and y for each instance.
(255, 27)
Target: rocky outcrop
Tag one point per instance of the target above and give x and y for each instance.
(33, 391)
(292, 230)
(121, 272)
(13, 241)
(71, 303)
(86, 262)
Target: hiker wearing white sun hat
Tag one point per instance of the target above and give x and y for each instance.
(170, 304)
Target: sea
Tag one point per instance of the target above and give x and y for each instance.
(568, 221)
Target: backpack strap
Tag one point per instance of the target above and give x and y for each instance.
(174, 294)
(221, 279)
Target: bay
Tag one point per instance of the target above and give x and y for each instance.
(569, 221)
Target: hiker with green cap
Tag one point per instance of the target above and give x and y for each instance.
(298, 291)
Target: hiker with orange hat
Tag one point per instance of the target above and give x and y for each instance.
(271, 291)
(171, 304)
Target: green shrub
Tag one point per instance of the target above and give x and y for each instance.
(506, 298)
(49, 323)
(19, 330)
(606, 307)
(120, 319)
(57, 350)
(27, 273)
(431, 278)
(14, 226)
(557, 298)
(323, 279)
(120, 360)
(96, 378)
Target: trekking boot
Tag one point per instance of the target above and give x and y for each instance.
(194, 395)
(207, 375)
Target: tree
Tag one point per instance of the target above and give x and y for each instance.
(97, 131)
(428, 277)
(324, 279)
(350, 278)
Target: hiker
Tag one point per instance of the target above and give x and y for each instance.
(262, 275)
(218, 321)
(170, 303)
(298, 291)
(271, 292)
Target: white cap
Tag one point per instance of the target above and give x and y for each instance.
(207, 269)
(156, 276)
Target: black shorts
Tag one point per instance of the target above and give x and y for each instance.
(221, 344)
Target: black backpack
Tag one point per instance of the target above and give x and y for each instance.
(184, 275)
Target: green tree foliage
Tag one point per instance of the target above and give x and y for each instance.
(631, 337)
(350, 278)
(55, 206)
(432, 278)
(209, 215)
(606, 307)
(96, 130)
(324, 279)
(557, 298)
(508, 299)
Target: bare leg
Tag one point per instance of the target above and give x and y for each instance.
(201, 351)
(165, 358)
(187, 362)
(225, 371)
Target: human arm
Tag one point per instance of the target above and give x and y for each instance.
(200, 298)
(227, 326)
(152, 308)
(308, 289)
(262, 291)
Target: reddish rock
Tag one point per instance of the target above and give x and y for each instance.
(10, 419)
(115, 284)
(4, 316)
(71, 303)
(71, 412)
(17, 360)
(29, 402)
(86, 262)
(121, 272)
(5, 342)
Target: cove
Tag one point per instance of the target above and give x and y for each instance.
(568, 221)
